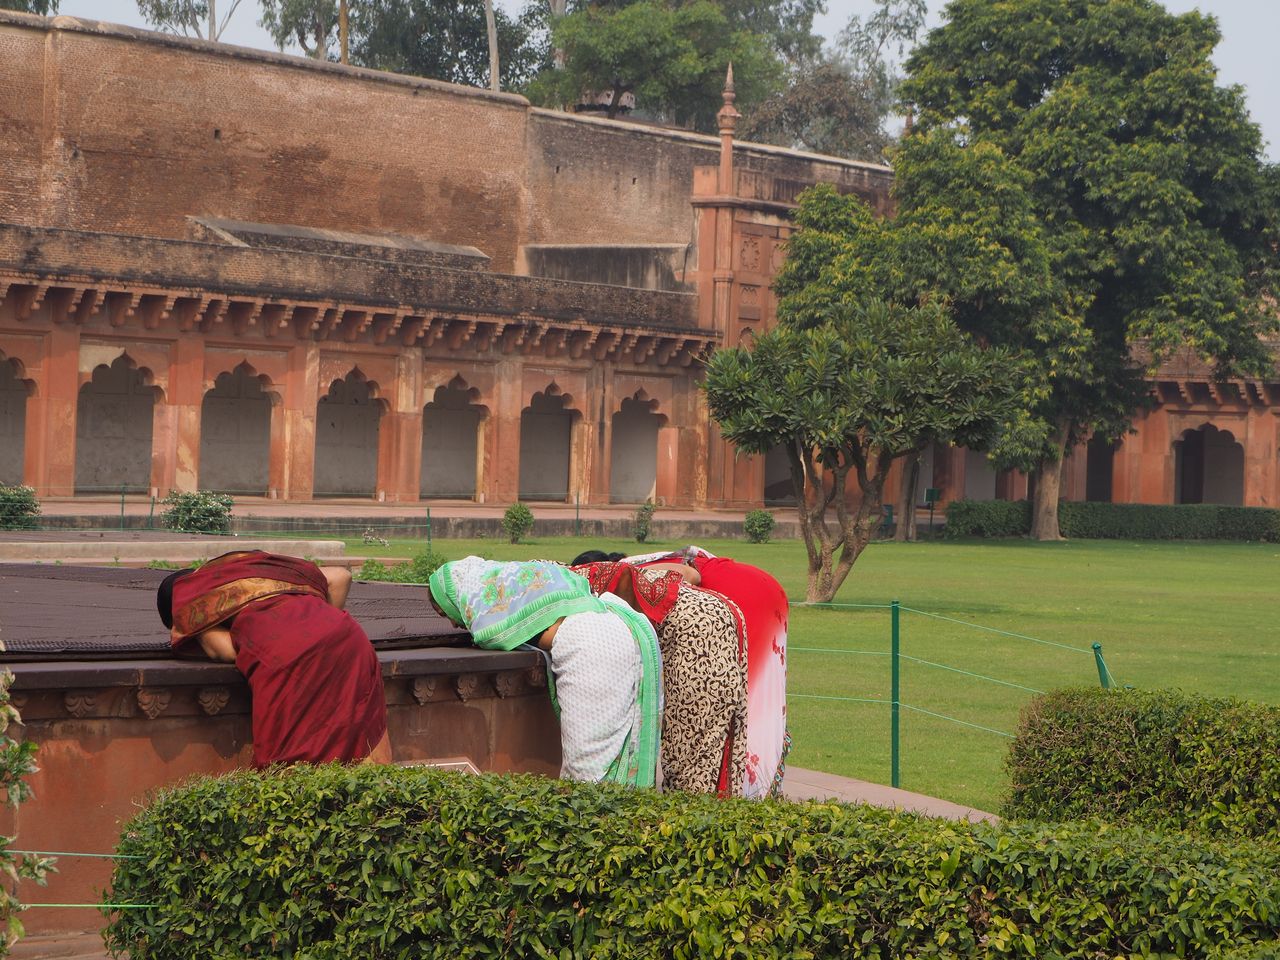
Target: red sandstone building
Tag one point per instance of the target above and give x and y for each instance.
(232, 270)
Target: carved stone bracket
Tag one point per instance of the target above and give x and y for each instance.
(423, 688)
(153, 702)
(536, 677)
(466, 686)
(212, 699)
(507, 684)
(78, 703)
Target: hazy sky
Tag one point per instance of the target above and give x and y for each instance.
(1247, 54)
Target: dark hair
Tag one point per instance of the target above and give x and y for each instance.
(597, 556)
(164, 596)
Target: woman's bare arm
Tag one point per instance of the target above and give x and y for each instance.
(691, 575)
(216, 644)
(339, 584)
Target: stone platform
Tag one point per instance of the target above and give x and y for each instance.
(139, 546)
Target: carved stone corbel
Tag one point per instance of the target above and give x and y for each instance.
(466, 686)
(507, 684)
(153, 702)
(423, 688)
(212, 700)
(79, 703)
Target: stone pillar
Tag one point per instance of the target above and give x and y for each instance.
(51, 417)
(1075, 472)
(600, 380)
(175, 434)
(1155, 461)
(293, 424)
(1259, 445)
(948, 473)
(501, 476)
(400, 433)
(666, 488)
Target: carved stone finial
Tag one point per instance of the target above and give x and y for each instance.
(153, 702)
(728, 116)
(213, 699)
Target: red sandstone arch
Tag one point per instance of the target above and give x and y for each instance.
(546, 445)
(348, 428)
(270, 372)
(115, 409)
(453, 427)
(15, 391)
(236, 431)
(1208, 466)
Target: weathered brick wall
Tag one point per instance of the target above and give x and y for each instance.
(118, 130)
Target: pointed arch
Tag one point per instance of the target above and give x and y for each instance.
(348, 422)
(14, 391)
(1208, 467)
(114, 421)
(451, 425)
(633, 457)
(546, 445)
(235, 432)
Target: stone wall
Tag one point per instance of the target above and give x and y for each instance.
(118, 130)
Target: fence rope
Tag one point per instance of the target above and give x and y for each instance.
(965, 723)
(967, 673)
(840, 606)
(818, 696)
(869, 653)
(1003, 633)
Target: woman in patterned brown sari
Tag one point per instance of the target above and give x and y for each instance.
(704, 672)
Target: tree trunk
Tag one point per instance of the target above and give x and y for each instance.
(491, 23)
(907, 496)
(213, 20)
(1048, 483)
(342, 31)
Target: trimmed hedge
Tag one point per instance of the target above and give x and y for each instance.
(1117, 521)
(380, 862)
(1156, 757)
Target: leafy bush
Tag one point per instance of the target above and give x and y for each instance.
(517, 521)
(758, 526)
(337, 862)
(643, 520)
(199, 512)
(17, 760)
(1156, 757)
(19, 509)
(1118, 521)
(988, 518)
(417, 570)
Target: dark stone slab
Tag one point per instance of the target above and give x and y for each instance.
(94, 613)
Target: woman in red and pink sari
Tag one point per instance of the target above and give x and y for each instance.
(764, 607)
(314, 675)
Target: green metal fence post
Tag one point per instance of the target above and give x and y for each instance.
(1103, 673)
(151, 516)
(122, 489)
(895, 637)
(429, 530)
(577, 518)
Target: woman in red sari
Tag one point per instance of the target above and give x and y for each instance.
(314, 676)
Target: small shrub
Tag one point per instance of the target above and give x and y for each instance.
(758, 526)
(17, 760)
(417, 570)
(19, 509)
(1156, 757)
(199, 512)
(335, 861)
(640, 526)
(517, 522)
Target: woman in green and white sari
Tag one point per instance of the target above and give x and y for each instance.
(605, 678)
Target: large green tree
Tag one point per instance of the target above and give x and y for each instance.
(43, 7)
(450, 40)
(671, 56)
(874, 382)
(189, 18)
(1145, 175)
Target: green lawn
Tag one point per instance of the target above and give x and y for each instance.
(1200, 616)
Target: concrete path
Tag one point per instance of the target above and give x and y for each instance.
(141, 546)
